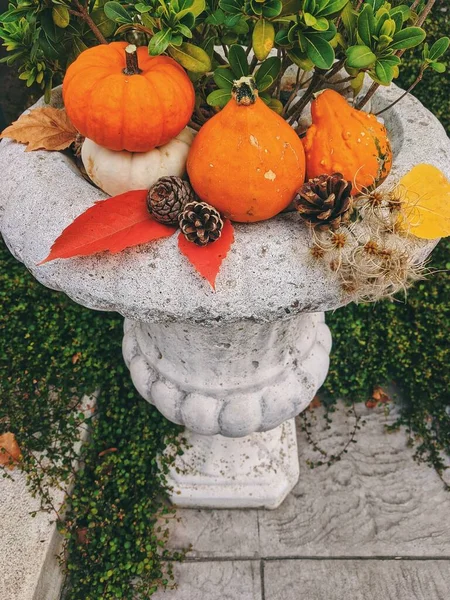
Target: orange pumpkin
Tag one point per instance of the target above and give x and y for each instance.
(344, 140)
(123, 99)
(246, 161)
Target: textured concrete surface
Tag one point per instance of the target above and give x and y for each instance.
(223, 580)
(43, 192)
(373, 526)
(357, 580)
(28, 567)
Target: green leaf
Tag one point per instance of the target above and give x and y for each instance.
(232, 20)
(383, 43)
(78, 47)
(116, 12)
(349, 19)
(391, 60)
(224, 78)
(384, 71)
(196, 7)
(439, 48)
(191, 57)
(265, 83)
(219, 98)
(233, 7)
(238, 61)
(327, 35)
(61, 16)
(281, 37)
(309, 19)
(272, 8)
(319, 51)
(388, 28)
(53, 32)
(360, 57)
(229, 38)
(216, 18)
(408, 38)
(375, 4)
(241, 27)
(142, 8)
(321, 24)
(291, 7)
(184, 31)
(300, 59)
(366, 25)
(11, 16)
(269, 68)
(357, 83)
(402, 10)
(398, 20)
(273, 103)
(438, 67)
(332, 7)
(159, 42)
(263, 38)
(106, 26)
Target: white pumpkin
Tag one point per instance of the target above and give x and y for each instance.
(119, 172)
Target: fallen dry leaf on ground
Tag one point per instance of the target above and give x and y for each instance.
(315, 403)
(42, 129)
(9, 450)
(379, 396)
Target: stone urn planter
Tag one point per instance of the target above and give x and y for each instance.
(233, 366)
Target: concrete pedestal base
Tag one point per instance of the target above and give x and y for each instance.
(236, 387)
(256, 471)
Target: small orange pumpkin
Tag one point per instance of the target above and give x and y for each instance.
(344, 140)
(246, 161)
(123, 99)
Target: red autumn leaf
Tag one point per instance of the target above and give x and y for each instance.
(113, 224)
(208, 259)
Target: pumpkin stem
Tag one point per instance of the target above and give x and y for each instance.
(132, 67)
(244, 91)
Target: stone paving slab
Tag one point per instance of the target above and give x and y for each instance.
(356, 580)
(226, 580)
(28, 567)
(377, 501)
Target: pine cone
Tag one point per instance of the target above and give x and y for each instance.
(325, 202)
(200, 223)
(167, 197)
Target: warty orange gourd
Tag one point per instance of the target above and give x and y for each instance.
(344, 140)
(246, 161)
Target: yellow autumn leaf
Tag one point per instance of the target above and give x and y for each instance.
(425, 195)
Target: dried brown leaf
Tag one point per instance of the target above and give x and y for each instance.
(9, 450)
(380, 395)
(42, 129)
(315, 403)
